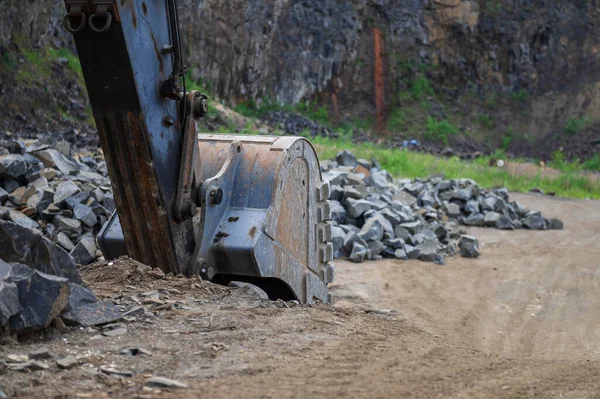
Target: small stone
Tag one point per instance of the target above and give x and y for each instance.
(17, 196)
(474, 219)
(338, 212)
(359, 253)
(69, 225)
(85, 214)
(77, 199)
(35, 365)
(40, 354)
(84, 252)
(471, 206)
(412, 252)
(12, 166)
(17, 358)
(405, 198)
(469, 247)
(534, 221)
(48, 173)
(491, 218)
(54, 159)
(136, 351)
(64, 191)
(556, 224)
(401, 232)
(22, 220)
(346, 158)
(112, 371)
(161, 382)
(67, 363)
(115, 333)
(64, 241)
(504, 223)
(413, 227)
(400, 254)
(357, 208)
(351, 192)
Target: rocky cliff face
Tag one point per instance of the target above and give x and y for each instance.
(474, 53)
(292, 50)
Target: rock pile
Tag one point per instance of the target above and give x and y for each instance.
(295, 124)
(42, 283)
(375, 216)
(52, 206)
(67, 198)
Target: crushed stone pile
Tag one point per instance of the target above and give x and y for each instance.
(376, 216)
(46, 187)
(52, 206)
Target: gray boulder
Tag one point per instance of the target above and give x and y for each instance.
(84, 252)
(491, 218)
(30, 247)
(54, 159)
(504, 223)
(338, 213)
(85, 309)
(413, 227)
(22, 220)
(359, 253)
(85, 214)
(534, 221)
(469, 247)
(64, 191)
(474, 219)
(9, 294)
(42, 297)
(556, 224)
(346, 158)
(12, 166)
(356, 208)
(405, 198)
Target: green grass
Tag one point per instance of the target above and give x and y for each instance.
(408, 164)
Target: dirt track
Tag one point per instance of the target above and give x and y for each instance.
(521, 321)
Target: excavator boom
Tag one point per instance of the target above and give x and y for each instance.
(225, 207)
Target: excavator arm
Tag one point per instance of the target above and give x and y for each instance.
(226, 207)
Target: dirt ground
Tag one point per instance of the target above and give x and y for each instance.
(521, 321)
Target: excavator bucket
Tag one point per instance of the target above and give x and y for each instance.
(224, 207)
(264, 217)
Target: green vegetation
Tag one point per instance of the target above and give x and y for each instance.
(520, 96)
(421, 88)
(439, 130)
(507, 139)
(487, 121)
(559, 162)
(574, 126)
(408, 164)
(491, 7)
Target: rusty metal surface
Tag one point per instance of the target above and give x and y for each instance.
(273, 220)
(123, 73)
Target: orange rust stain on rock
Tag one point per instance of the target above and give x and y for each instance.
(252, 232)
(379, 84)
